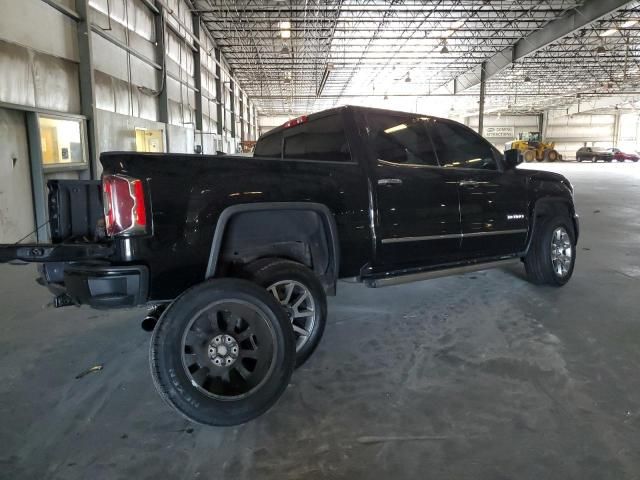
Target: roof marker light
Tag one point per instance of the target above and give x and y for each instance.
(296, 121)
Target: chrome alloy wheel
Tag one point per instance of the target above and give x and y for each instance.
(299, 305)
(561, 252)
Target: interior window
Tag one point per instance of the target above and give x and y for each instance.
(269, 146)
(401, 139)
(62, 141)
(321, 139)
(459, 148)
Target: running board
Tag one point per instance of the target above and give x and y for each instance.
(445, 272)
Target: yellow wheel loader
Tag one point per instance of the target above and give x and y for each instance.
(532, 148)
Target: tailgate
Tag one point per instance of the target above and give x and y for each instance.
(76, 224)
(50, 252)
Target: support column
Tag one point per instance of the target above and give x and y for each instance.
(197, 74)
(616, 128)
(219, 99)
(541, 124)
(544, 125)
(232, 107)
(242, 119)
(483, 82)
(87, 83)
(160, 51)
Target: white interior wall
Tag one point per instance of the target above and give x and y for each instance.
(520, 124)
(570, 132)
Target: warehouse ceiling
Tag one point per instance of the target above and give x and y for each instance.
(302, 56)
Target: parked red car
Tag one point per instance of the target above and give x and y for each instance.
(621, 156)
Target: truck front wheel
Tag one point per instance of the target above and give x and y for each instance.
(222, 353)
(552, 253)
(301, 295)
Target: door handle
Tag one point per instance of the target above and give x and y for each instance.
(468, 183)
(389, 181)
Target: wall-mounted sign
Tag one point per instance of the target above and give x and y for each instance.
(498, 132)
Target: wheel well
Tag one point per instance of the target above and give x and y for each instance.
(547, 207)
(304, 233)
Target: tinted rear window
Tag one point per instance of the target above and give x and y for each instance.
(322, 139)
(269, 146)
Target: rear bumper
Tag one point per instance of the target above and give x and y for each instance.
(98, 285)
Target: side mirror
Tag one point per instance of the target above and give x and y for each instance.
(512, 158)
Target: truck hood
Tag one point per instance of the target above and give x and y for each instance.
(544, 176)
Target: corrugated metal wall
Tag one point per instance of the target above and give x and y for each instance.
(40, 70)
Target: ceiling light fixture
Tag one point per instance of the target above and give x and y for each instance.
(285, 50)
(444, 47)
(285, 29)
(408, 78)
(600, 49)
(527, 78)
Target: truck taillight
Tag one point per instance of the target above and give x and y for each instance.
(124, 209)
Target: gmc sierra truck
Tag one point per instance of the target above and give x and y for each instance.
(234, 256)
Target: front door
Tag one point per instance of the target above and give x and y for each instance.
(493, 203)
(418, 218)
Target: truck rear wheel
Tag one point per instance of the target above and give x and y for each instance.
(552, 253)
(222, 353)
(301, 295)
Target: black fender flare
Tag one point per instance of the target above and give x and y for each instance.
(550, 201)
(329, 278)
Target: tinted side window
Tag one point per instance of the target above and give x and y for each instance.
(459, 148)
(401, 139)
(269, 146)
(321, 139)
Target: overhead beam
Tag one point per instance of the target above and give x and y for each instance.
(586, 104)
(578, 18)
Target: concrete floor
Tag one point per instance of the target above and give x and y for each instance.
(482, 376)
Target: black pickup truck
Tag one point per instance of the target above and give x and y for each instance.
(235, 255)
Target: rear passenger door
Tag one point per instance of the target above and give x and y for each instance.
(493, 202)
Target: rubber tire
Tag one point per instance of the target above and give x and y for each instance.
(537, 262)
(267, 271)
(549, 153)
(529, 156)
(168, 373)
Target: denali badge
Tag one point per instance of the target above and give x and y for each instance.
(515, 216)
